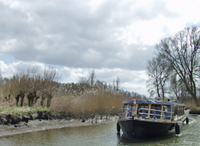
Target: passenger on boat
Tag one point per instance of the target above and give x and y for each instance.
(129, 111)
(155, 111)
(143, 111)
(158, 111)
(166, 112)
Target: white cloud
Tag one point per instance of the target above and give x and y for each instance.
(8, 45)
(6, 70)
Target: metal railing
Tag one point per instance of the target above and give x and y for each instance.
(154, 114)
(145, 113)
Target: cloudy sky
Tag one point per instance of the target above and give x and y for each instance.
(116, 38)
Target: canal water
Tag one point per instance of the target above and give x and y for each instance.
(103, 134)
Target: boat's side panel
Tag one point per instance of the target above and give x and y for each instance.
(127, 127)
(143, 129)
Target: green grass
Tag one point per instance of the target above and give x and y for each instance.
(20, 110)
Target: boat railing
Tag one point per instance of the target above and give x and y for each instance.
(145, 113)
(154, 114)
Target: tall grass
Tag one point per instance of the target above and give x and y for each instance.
(88, 104)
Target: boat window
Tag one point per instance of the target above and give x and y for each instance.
(175, 112)
(183, 110)
(143, 110)
(166, 112)
(125, 107)
(130, 110)
(155, 111)
(180, 111)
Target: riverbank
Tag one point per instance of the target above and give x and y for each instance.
(46, 125)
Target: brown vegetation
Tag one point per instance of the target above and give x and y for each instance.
(85, 99)
(88, 104)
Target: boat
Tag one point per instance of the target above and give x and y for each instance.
(147, 118)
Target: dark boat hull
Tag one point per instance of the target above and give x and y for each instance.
(144, 129)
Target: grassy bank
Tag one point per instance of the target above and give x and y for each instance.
(21, 110)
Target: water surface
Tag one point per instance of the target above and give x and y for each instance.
(102, 135)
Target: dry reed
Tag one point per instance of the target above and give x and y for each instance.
(88, 104)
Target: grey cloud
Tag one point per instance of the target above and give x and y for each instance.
(12, 23)
(72, 34)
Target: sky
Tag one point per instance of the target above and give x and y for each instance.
(115, 38)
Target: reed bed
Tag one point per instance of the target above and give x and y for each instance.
(88, 104)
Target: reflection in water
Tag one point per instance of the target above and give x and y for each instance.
(103, 134)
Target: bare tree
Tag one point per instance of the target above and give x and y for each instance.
(49, 85)
(117, 83)
(158, 72)
(83, 80)
(114, 87)
(177, 88)
(26, 81)
(182, 52)
(5, 88)
(34, 84)
(174, 86)
(19, 86)
(92, 78)
(153, 83)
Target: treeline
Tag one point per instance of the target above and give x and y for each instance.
(32, 84)
(35, 87)
(92, 83)
(175, 69)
